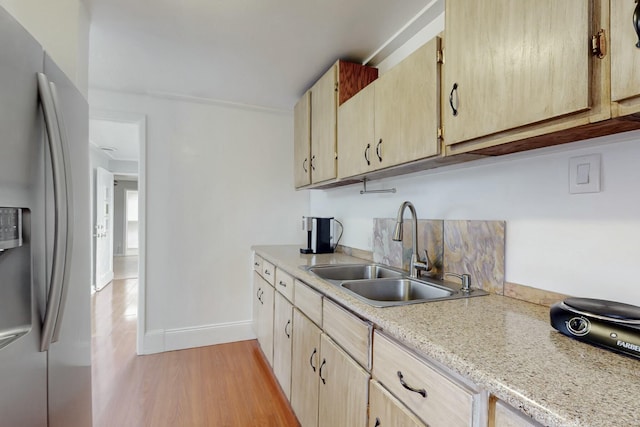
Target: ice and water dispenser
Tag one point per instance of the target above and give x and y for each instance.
(15, 277)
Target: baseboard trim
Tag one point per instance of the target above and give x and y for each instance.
(153, 342)
(182, 338)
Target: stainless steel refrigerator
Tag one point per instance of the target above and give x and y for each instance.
(45, 325)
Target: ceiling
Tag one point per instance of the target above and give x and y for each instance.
(119, 140)
(256, 52)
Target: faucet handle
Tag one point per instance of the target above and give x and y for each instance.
(422, 262)
(465, 278)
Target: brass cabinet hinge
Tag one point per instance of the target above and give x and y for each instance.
(336, 86)
(599, 44)
(440, 132)
(440, 56)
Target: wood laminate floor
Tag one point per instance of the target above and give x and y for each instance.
(222, 385)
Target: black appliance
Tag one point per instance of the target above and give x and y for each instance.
(608, 324)
(319, 235)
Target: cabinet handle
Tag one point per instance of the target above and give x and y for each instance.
(636, 22)
(267, 272)
(377, 422)
(285, 328)
(378, 150)
(281, 283)
(312, 165)
(455, 89)
(256, 264)
(324, 362)
(421, 391)
(311, 359)
(260, 297)
(366, 154)
(258, 293)
(304, 166)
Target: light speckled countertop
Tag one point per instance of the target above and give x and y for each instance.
(504, 346)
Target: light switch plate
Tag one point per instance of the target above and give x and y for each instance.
(584, 174)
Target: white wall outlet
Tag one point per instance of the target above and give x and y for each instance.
(584, 174)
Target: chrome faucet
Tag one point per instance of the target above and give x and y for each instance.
(416, 264)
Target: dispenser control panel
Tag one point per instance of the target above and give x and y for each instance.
(10, 228)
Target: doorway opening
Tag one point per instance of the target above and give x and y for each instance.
(118, 145)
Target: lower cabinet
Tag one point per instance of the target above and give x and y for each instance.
(328, 388)
(503, 415)
(436, 399)
(304, 370)
(387, 411)
(282, 340)
(263, 294)
(343, 388)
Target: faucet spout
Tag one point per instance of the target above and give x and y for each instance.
(416, 264)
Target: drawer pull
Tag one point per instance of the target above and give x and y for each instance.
(256, 264)
(311, 359)
(281, 283)
(285, 328)
(324, 362)
(421, 391)
(377, 422)
(267, 272)
(454, 110)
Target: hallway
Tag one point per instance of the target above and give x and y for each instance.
(223, 385)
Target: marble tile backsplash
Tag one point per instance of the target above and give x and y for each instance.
(473, 247)
(398, 254)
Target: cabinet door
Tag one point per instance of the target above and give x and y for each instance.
(343, 388)
(304, 370)
(513, 63)
(406, 109)
(282, 331)
(302, 141)
(324, 110)
(356, 150)
(625, 59)
(505, 416)
(257, 290)
(265, 320)
(387, 411)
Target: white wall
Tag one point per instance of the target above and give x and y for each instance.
(62, 27)
(582, 244)
(219, 179)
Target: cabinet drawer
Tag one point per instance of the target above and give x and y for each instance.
(268, 272)
(257, 263)
(385, 410)
(284, 284)
(350, 332)
(308, 301)
(437, 400)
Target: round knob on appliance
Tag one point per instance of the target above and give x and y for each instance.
(578, 326)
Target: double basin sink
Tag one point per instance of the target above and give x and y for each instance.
(382, 286)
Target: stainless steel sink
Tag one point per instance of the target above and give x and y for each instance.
(388, 292)
(342, 272)
(383, 286)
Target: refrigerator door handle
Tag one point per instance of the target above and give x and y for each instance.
(68, 237)
(60, 212)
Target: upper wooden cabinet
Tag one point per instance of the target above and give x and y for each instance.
(406, 108)
(510, 65)
(338, 84)
(395, 119)
(625, 59)
(324, 107)
(302, 141)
